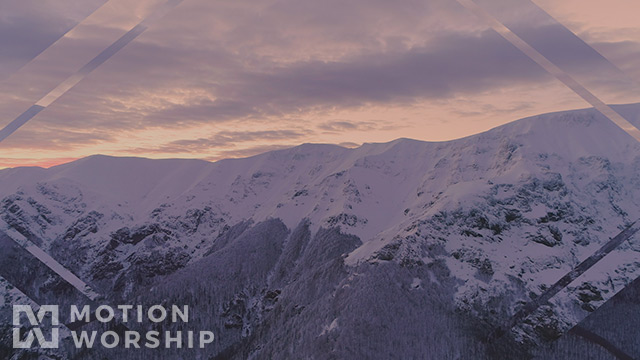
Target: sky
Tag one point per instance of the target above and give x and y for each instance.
(220, 79)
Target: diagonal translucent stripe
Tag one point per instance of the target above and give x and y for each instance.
(57, 40)
(100, 59)
(546, 34)
(559, 285)
(16, 292)
(578, 38)
(604, 343)
(74, 79)
(20, 120)
(50, 262)
(551, 68)
(26, 300)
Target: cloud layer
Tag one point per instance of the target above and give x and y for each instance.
(228, 78)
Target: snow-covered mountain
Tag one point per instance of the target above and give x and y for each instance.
(352, 243)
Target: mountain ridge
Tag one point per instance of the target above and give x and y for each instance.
(490, 220)
(630, 111)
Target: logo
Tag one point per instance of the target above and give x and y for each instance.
(46, 321)
(36, 332)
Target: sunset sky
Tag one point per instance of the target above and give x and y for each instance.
(217, 79)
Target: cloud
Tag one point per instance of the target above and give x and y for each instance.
(27, 27)
(246, 152)
(40, 162)
(270, 62)
(489, 108)
(345, 125)
(223, 140)
(454, 64)
(55, 139)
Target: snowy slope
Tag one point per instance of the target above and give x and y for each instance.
(509, 211)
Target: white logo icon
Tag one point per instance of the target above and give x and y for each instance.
(36, 332)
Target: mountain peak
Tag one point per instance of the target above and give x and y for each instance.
(487, 221)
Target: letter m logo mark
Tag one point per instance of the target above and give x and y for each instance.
(36, 332)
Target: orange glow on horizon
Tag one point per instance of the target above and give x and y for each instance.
(43, 163)
(172, 118)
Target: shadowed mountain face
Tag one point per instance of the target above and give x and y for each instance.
(614, 328)
(405, 250)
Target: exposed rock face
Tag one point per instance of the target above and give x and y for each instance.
(390, 250)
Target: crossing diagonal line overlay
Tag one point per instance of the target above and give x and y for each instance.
(604, 343)
(599, 105)
(14, 245)
(596, 51)
(48, 99)
(49, 261)
(52, 96)
(25, 298)
(74, 79)
(58, 39)
(567, 279)
(551, 68)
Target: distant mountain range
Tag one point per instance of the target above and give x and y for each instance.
(400, 250)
